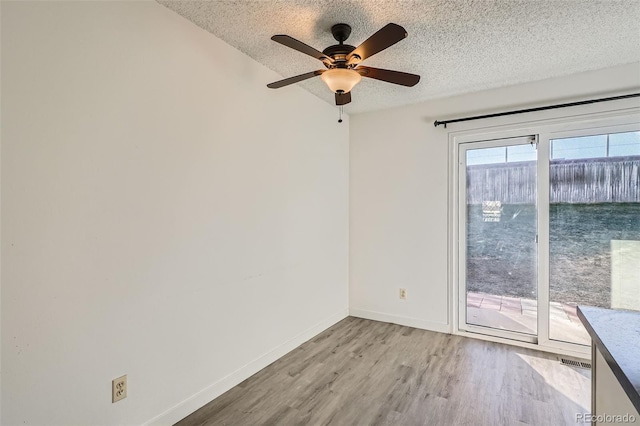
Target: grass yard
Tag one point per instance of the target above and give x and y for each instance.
(501, 256)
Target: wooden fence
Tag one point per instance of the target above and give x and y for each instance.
(594, 180)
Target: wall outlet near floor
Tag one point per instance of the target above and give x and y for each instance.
(119, 388)
(403, 293)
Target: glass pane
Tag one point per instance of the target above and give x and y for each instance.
(501, 257)
(594, 230)
(582, 147)
(520, 153)
(623, 144)
(486, 156)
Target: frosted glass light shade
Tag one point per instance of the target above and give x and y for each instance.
(340, 79)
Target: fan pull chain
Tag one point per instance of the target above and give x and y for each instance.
(340, 109)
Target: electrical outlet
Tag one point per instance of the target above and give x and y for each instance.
(403, 293)
(119, 389)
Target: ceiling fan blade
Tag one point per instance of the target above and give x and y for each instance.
(389, 35)
(301, 47)
(295, 79)
(343, 98)
(395, 77)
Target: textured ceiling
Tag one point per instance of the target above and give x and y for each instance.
(456, 46)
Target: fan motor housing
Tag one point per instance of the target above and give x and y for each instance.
(339, 51)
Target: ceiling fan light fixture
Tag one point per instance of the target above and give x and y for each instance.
(343, 61)
(341, 79)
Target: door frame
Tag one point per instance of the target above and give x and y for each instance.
(546, 129)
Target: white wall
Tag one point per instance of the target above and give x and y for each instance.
(399, 170)
(164, 214)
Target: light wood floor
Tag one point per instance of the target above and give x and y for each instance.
(362, 372)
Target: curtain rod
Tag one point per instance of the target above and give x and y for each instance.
(521, 111)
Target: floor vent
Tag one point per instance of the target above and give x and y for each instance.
(574, 363)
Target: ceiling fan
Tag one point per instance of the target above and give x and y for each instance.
(343, 61)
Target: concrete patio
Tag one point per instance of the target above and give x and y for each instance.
(520, 314)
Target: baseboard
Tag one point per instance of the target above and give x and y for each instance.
(191, 404)
(400, 320)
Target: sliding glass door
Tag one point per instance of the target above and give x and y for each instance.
(594, 227)
(548, 222)
(498, 199)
